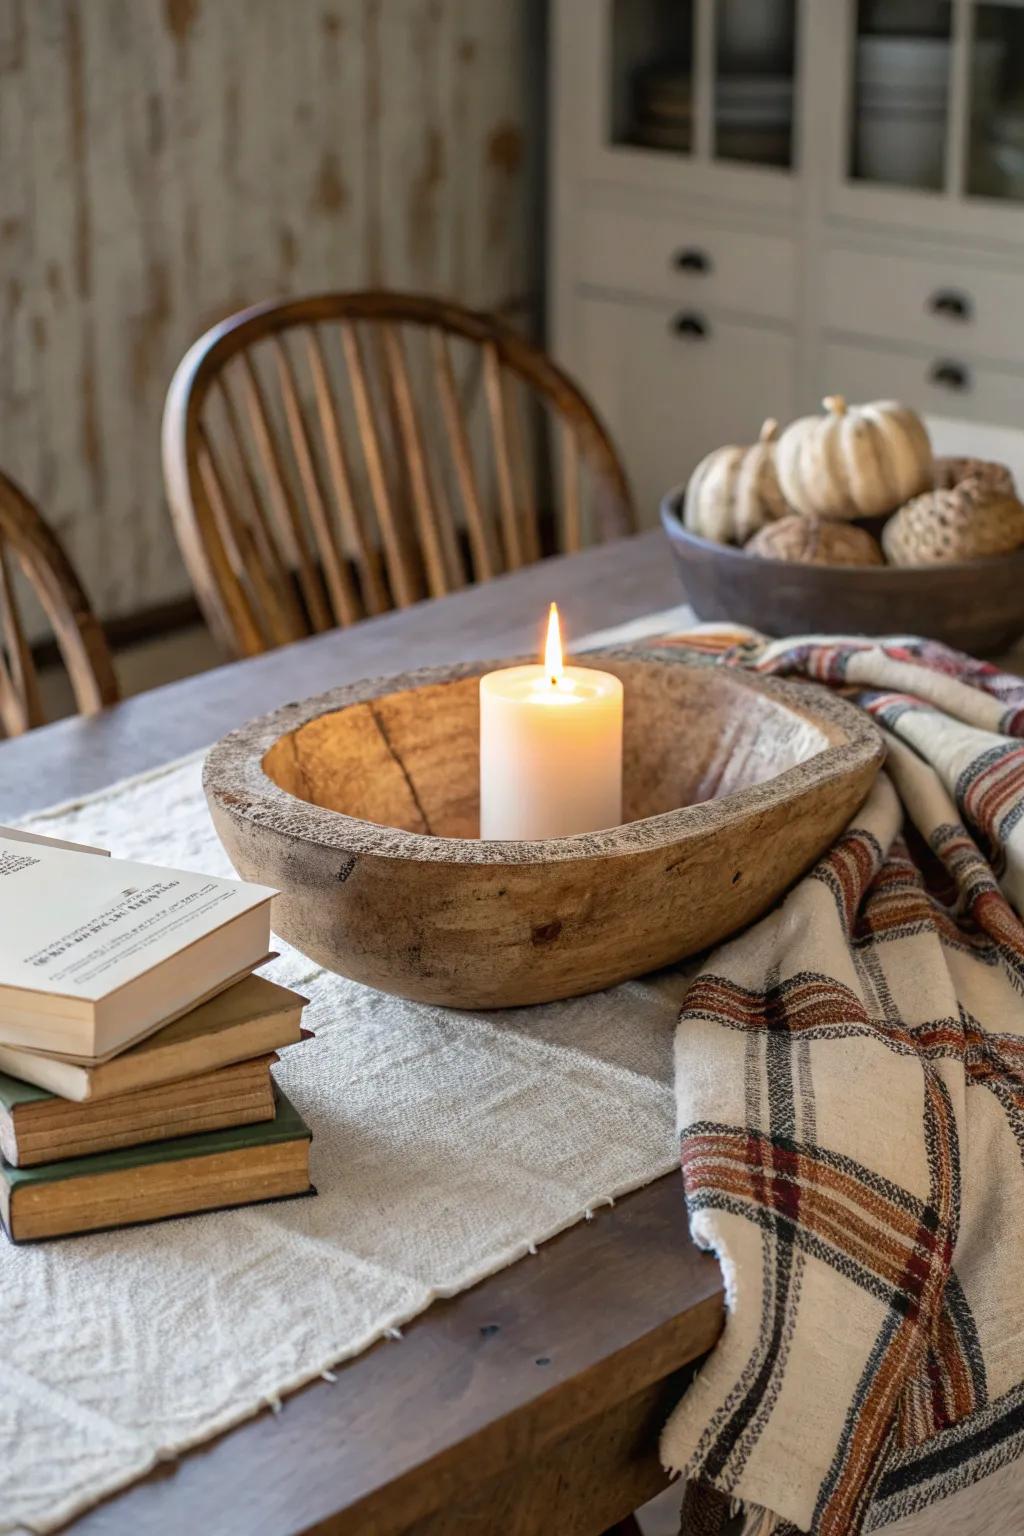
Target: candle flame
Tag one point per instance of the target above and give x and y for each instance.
(553, 648)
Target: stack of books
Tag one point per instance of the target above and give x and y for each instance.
(136, 1044)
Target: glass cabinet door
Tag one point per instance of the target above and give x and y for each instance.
(995, 155)
(651, 56)
(902, 64)
(938, 96)
(755, 81)
(710, 79)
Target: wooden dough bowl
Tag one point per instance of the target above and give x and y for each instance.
(361, 807)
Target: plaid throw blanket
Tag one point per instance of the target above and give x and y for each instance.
(850, 1086)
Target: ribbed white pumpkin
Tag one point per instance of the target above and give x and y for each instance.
(734, 491)
(856, 461)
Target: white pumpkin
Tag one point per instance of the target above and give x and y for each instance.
(856, 461)
(734, 491)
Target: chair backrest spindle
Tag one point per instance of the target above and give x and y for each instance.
(484, 563)
(572, 515)
(367, 556)
(288, 616)
(291, 528)
(399, 568)
(329, 457)
(336, 573)
(496, 406)
(424, 504)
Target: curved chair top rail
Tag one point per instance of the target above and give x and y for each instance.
(313, 484)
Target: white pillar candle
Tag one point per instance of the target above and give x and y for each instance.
(550, 748)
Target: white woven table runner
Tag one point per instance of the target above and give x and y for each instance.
(446, 1146)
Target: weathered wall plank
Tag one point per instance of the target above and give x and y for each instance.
(163, 162)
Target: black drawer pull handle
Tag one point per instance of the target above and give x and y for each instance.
(689, 325)
(955, 306)
(951, 376)
(691, 261)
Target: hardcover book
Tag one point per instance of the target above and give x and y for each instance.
(251, 1018)
(95, 953)
(241, 1166)
(37, 1127)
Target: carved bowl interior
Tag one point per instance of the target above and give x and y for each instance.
(409, 759)
(361, 807)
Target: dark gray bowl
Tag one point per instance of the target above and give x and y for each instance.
(976, 607)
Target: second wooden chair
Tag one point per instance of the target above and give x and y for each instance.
(29, 545)
(287, 530)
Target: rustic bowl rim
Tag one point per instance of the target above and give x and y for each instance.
(952, 570)
(235, 780)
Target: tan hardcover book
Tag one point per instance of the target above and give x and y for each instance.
(189, 1007)
(251, 1018)
(96, 953)
(38, 1127)
(239, 1166)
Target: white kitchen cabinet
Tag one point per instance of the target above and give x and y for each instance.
(834, 189)
(689, 260)
(941, 301)
(933, 383)
(675, 383)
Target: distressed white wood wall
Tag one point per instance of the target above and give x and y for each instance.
(164, 162)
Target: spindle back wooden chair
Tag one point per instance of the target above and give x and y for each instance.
(329, 457)
(28, 544)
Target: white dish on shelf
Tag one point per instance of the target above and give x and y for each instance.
(905, 149)
(744, 101)
(901, 61)
(922, 64)
(885, 100)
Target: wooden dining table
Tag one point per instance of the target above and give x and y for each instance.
(533, 1402)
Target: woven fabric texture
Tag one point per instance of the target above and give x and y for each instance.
(850, 1091)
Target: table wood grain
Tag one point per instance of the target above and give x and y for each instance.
(533, 1401)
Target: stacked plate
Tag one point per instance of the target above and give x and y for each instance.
(753, 114)
(902, 104)
(753, 118)
(663, 109)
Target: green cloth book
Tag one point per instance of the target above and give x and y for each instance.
(239, 1166)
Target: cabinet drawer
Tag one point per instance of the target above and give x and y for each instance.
(669, 397)
(940, 302)
(688, 262)
(939, 385)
